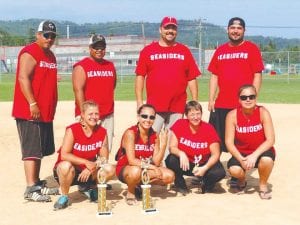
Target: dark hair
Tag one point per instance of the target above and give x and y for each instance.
(246, 86)
(145, 106)
(192, 105)
(151, 131)
(240, 20)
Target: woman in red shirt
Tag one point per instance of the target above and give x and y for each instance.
(250, 137)
(140, 142)
(83, 142)
(195, 151)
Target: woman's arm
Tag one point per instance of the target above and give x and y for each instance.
(184, 161)
(103, 151)
(229, 136)
(160, 147)
(267, 124)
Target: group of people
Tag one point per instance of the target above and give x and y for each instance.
(169, 132)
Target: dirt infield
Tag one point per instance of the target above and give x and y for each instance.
(222, 207)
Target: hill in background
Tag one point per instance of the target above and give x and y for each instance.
(188, 31)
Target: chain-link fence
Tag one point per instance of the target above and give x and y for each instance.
(276, 63)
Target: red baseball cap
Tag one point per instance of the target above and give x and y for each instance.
(168, 20)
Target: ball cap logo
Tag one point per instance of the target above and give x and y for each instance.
(168, 20)
(47, 26)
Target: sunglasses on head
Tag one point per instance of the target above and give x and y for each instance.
(245, 97)
(49, 35)
(144, 116)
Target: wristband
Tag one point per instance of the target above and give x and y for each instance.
(32, 104)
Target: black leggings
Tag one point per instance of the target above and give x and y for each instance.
(212, 175)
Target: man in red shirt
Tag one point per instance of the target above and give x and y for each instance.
(34, 106)
(94, 78)
(168, 68)
(234, 64)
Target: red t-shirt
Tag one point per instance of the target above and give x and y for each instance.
(195, 144)
(249, 131)
(141, 149)
(167, 71)
(83, 146)
(43, 82)
(100, 84)
(234, 66)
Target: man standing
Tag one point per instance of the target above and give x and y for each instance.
(94, 78)
(34, 106)
(168, 68)
(234, 64)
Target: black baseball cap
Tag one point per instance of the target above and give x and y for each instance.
(47, 27)
(237, 21)
(97, 39)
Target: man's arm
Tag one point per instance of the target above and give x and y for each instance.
(257, 80)
(193, 86)
(213, 85)
(139, 87)
(27, 66)
(79, 80)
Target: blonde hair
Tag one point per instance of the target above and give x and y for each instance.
(87, 104)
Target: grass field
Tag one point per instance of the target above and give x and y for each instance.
(275, 89)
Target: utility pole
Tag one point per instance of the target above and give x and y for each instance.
(201, 60)
(200, 44)
(68, 32)
(143, 33)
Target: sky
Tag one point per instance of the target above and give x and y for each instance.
(275, 18)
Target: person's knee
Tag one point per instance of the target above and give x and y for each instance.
(133, 174)
(236, 171)
(265, 162)
(64, 168)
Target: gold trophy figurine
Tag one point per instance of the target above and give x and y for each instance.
(103, 209)
(148, 206)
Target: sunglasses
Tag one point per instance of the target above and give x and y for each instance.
(144, 116)
(49, 35)
(98, 48)
(245, 97)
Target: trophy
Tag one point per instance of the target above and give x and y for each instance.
(148, 206)
(103, 208)
(197, 160)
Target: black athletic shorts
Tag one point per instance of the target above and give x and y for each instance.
(36, 138)
(234, 162)
(217, 119)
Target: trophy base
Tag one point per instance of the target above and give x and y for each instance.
(150, 211)
(104, 214)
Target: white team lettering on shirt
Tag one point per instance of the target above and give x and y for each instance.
(48, 65)
(249, 129)
(100, 73)
(237, 55)
(160, 56)
(146, 148)
(86, 148)
(192, 144)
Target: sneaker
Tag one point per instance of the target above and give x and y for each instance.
(33, 193)
(233, 183)
(47, 190)
(62, 203)
(183, 190)
(91, 194)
